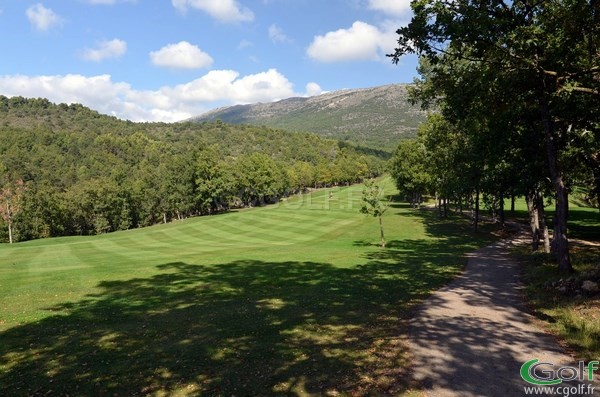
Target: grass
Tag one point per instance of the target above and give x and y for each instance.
(584, 221)
(291, 299)
(575, 319)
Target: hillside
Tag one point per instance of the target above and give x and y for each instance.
(375, 117)
(67, 170)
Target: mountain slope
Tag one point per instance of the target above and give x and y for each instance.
(375, 117)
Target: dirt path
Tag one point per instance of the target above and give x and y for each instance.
(472, 337)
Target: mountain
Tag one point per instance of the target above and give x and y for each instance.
(376, 117)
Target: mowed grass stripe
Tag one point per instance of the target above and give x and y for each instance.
(215, 305)
(294, 230)
(230, 233)
(19, 255)
(299, 218)
(176, 240)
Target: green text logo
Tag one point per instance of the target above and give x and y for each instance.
(546, 374)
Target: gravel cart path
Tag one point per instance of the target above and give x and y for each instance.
(472, 337)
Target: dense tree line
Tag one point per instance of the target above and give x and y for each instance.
(67, 170)
(517, 86)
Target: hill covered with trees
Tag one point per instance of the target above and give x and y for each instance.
(67, 170)
(375, 117)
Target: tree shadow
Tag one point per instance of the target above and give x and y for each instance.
(463, 345)
(240, 328)
(585, 224)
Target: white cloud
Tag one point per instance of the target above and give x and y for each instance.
(109, 2)
(98, 91)
(106, 49)
(244, 44)
(392, 7)
(313, 89)
(222, 10)
(361, 42)
(219, 85)
(182, 55)
(168, 103)
(42, 18)
(277, 36)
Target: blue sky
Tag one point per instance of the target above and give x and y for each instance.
(167, 60)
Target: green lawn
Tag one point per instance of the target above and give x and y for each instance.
(290, 299)
(576, 320)
(584, 221)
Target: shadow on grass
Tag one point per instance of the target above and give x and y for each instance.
(241, 328)
(584, 223)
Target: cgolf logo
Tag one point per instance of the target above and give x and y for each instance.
(547, 374)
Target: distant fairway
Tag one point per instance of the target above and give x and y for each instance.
(290, 299)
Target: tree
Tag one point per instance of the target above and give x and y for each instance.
(373, 205)
(42, 214)
(213, 184)
(546, 53)
(409, 168)
(301, 176)
(260, 179)
(88, 173)
(11, 196)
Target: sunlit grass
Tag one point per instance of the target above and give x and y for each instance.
(295, 298)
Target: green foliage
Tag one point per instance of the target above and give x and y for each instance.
(89, 174)
(411, 169)
(373, 200)
(517, 82)
(373, 204)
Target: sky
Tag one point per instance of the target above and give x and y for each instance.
(168, 60)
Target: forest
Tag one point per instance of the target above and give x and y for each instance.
(517, 90)
(67, 170)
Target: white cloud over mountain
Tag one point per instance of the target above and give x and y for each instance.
(360, 42)
(168, 103)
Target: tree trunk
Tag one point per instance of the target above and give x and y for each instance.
(543, 224)
(9, 222)
(534, 221)
(560, 233)
(381, 230)
(476, 219)
(10, 238)
(501, 210)
(561, 241)
(512, 203)
(165, 217)
(446, 207)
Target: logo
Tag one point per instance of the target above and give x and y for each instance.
(548, 374)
